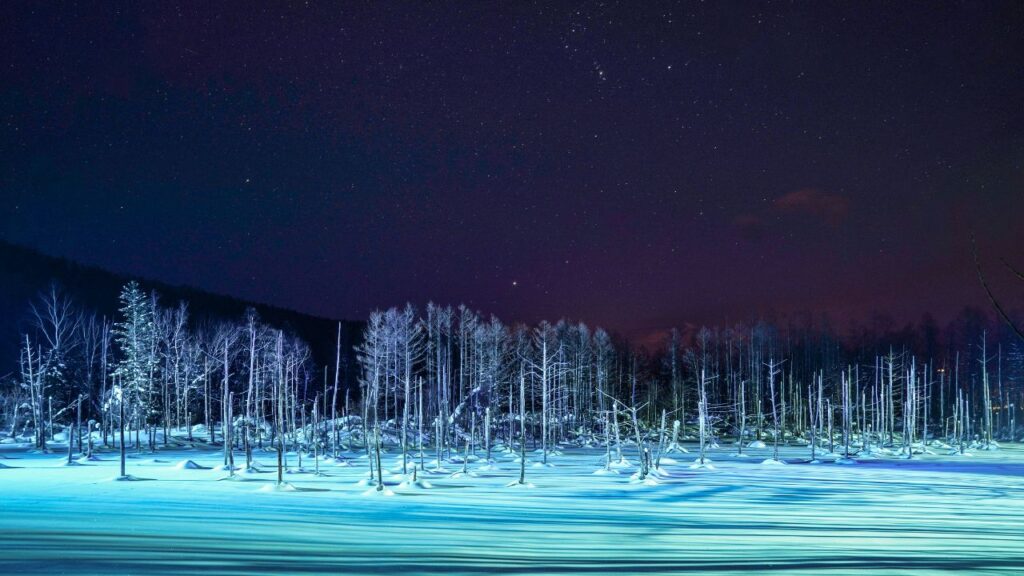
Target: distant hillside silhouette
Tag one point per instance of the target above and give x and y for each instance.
(24, 272)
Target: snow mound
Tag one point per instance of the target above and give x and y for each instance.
(190, 465)
(773, 462)
(650, 480)
(517, 484)
(128, 478)
(757, 444)
(285, 487)
(417, 485)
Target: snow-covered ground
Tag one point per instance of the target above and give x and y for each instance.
(933, 514)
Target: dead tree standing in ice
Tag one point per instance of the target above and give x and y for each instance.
(487, 433)
(741, 416)
(641, 446)
(334, 396)
(986, 395)
(56, 322)
(279, 386)
(773, 371)
(419, 426)
(371, 356)
(831, 435)
(705, 421)
(812, 420)
(316, 435)
(547, 368)
(910, 411)
(376, 444)
(522, 424)
(30, 370)
(408, 333)
(119, 395)
(845, 380)
(661, 439)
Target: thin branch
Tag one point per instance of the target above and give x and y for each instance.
(1012, 269)
(988, 291)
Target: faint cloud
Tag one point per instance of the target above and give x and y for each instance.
(750, 226)
(813, 202)
(805, 203)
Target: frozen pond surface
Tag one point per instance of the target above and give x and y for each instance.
(935, 514)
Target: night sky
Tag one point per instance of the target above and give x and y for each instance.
(636, 165)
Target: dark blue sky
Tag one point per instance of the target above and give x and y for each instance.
(635, 165)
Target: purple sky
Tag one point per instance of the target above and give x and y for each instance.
(633, 165)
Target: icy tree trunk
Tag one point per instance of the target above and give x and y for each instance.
(419, 422)
(615, 426)
(846, 416)
(742, 419)
(71, 442)
(522, 427)
(607, 442)
(772, 372)
(661, 439)
(334, 400)
(229, 436)
(487, 433)
(316, 435)
(544, 403)
(831, 435)
(225, 426)
(120, 424)
(865, 428)
(702, 410)
(811, 418)
(986, 393)
(641, 448)
(380, 473)
(78, 423)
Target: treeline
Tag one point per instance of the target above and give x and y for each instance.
(150, 369)
(450, 378)
(470, 378)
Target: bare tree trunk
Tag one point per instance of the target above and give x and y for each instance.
(120, 424)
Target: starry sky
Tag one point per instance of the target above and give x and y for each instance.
(636, 165)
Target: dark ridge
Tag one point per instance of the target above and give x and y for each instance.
(24, 272)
